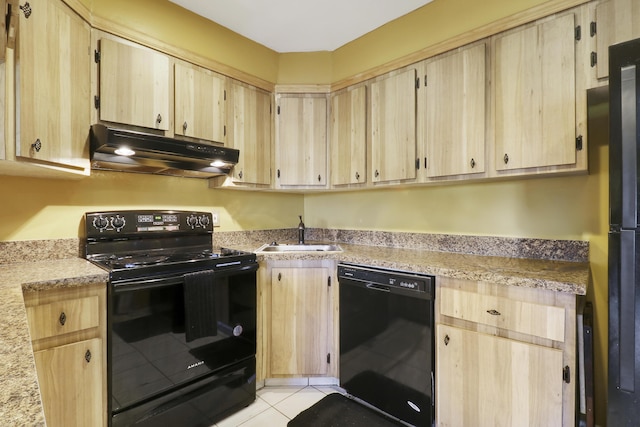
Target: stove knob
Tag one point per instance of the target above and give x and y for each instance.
(100, 223)
(204, 221)
(192, 221)
(118, 222)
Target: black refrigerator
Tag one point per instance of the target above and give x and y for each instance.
(624, 235)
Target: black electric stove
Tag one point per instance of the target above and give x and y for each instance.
(181, 318)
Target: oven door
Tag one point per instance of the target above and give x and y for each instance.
(149, 356)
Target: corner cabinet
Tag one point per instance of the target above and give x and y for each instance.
(68, 333)
(505, 355)
(393, 127)
(53, 107)
(617, 21)
(200, 103)
(301, 141)
(349, 136)
(299, 321)
(535, 96)
(135, 85)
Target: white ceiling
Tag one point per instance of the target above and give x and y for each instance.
(301, 25)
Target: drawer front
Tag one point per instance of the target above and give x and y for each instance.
(63, 317)
(533, 319)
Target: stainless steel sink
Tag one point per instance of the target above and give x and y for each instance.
(299, 248)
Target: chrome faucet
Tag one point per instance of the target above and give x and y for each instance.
(301, 229)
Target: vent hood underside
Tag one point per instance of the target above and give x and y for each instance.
(158, 154)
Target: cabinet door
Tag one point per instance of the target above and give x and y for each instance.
(299, 321)
(70, 379)
(618, 21)
(134, 85)
(54, 69)
(455, 113)
(251, 134)
(301, 150)
(200, 99)
(535, 113)
(393, 127)
(482, 380)
(349, 136)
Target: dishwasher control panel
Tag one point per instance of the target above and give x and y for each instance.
(381, 277)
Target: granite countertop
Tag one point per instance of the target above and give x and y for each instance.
(20, 402)
(554, 275)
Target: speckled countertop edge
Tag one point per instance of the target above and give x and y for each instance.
(545, 264)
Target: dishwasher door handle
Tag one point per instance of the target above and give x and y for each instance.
(376, 287)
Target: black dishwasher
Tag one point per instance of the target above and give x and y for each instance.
(387, 340)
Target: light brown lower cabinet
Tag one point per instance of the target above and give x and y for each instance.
(299, 321)
(505, 355)
(496, 381)
(68, 332)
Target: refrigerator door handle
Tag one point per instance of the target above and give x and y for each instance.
(627, 315)
(629, 151)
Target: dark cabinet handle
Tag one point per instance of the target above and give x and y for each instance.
(63, 318)
(473, 163)
(87, 356)
(506, 159)
(159, 119)
(377, 174)
(279, 277)
(319, 178)
(278, 173)
(26, 9)
(494, 312)
(37, 146)
(446, 340)
(240, 174)
(357, 176)
(184, 126)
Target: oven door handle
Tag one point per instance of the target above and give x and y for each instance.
(148, 284)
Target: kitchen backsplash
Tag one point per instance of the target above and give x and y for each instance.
(561, 250)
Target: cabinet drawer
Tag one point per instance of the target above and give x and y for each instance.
(63, 317)
(533, 319)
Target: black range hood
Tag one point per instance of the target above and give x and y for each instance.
(129, 151)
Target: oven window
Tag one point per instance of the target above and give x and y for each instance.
(149, 353)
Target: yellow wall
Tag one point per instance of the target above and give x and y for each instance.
(50, 209)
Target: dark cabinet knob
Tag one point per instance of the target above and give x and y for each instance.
(159, 119)
(62, 319)
(240, 174)
(279, 277)
(506, 159)
(319, 178)
(278, 173)
(37, 146)
(446, 340)
(357, 176)
(184, 127)
(473, 163)
(87, 356)
(26, 9)
(494, 312)
(377, 174)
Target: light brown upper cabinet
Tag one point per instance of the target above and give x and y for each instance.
(301, 141)
(393, 127)
(200, 103)
(349, 136)
(617, 21)
(535, 96)
(250, 133)
(53, 69)
(451, 113)
(134, 85)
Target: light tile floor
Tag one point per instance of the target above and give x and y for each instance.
(276, 405)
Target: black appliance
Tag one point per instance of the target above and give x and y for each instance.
(624, 235)
(387, 356)
(181, 318)
(130, 151)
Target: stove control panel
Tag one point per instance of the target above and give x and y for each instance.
(103, 224)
